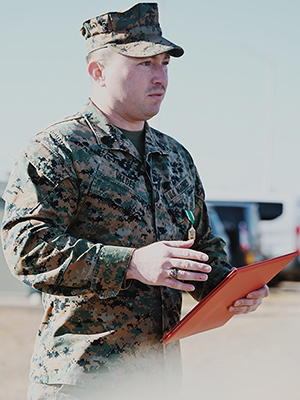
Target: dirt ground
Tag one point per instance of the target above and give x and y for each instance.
(256, 356)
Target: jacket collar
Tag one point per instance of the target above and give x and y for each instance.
(110, 137)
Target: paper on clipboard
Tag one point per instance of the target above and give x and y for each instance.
(212, 312)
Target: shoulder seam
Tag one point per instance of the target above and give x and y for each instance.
(64, 120)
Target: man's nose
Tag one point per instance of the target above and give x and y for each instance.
(161, 76)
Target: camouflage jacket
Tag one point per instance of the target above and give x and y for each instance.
(79, 200)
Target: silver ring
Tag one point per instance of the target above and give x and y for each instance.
(173, 273)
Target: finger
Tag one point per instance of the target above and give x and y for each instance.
(244, 306)
(191, 276)
(182, 264)
(179, 243)
(182, 250)
(188, 254)
(247, 302)
(241, 310)
(175, 284)
(260, 293)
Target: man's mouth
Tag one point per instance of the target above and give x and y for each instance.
(158, 93)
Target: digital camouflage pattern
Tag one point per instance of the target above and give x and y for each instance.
(134, 32)
(79, 200)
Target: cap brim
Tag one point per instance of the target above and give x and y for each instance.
(148, 48)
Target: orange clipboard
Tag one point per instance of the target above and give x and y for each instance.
(212, 312)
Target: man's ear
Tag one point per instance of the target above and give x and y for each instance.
(95, 69)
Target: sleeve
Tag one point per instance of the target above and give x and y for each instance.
(209, 244)
(41, 203)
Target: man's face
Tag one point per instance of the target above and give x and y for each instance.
(135, 87)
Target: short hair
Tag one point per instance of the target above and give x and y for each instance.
(101, 55)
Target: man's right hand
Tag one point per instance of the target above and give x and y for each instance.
(152, 265)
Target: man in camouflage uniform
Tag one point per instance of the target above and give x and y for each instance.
(98, 210)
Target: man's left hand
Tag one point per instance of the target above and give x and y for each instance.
(250, 302)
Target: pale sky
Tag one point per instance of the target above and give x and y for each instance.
(233, 98)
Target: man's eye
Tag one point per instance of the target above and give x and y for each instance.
(147, 63)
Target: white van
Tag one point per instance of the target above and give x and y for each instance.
(279, 225)
(280, 230)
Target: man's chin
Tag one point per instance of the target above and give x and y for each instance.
(151, 113)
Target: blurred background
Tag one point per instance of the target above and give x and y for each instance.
(233, 101)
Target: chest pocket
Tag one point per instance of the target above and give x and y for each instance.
(179, 199)
(120, 195)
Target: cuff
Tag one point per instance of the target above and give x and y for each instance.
(110, 270)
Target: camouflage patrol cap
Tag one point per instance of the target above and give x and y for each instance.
(134, 32)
